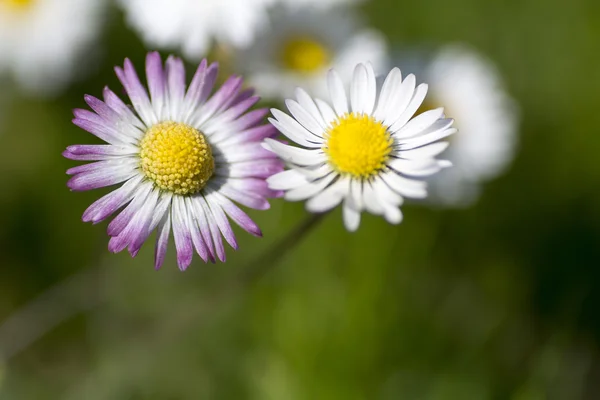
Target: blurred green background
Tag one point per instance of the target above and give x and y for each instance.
(498, 301)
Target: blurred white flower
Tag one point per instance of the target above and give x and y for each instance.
(302, 44)
(40, 39)
(318, 3)
(470, 88)
(193, 24)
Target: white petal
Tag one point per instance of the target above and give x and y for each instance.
(393, 215)
(391, 85)
(400, 100)
(337, 93)
(416, 168)
(385, 193)
(371, 90)
(428, 151)
(359, 89)
(294, 131)
(316, 173)
(310, 189)
(351, 217)
(422, 140)
(330, 196)
(422, 122)
(287, 180)
(304, 117)
(326, 111)
(412, 108)
(296, 155)
(355, 197)
(309, 105)
(371, 199)
(404, 186)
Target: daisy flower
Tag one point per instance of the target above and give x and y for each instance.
(192, 25)
(368, 154)
(470, 88)
(181, 157)
(302, 44)
(40, 39)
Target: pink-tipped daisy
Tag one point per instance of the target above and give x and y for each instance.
(370, 153)
(181, 157)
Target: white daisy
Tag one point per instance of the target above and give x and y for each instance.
(192, 25)
(302, 44)
(470, 88)
(181, 155)
(369, 154)
(40, 39)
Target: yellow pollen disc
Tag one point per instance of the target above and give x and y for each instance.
(305, 55)
(358, 145)
(177, 157)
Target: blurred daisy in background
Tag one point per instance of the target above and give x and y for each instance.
(318, 3)
(193, 25)
(470, 88)
(40, 39)
(302, 44)
(181, 156)
(368, 154)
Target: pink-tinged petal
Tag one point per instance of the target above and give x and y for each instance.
(108, 204)
(136, 92)
(157, 82)
(244, 152)
(197, 239)
(237, 215)
(99, 179)
(103, 166)
(214, 231)
(176, 84)
(259, 169)
(215, 127)
(251, 185)
(200, 88)
(95, 152)
(144, 224)
(221, 220)
(114, 102)
(200, 216)
(93, 124)
(219, 101)
(136, 227)
(119, 223)
(249, 200)
(181, 233)
(256, 134)
(102, 109)
(243, 95)
(159, 210)
(250, 119)
(162, 240)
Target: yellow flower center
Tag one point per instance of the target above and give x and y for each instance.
(305, 55)
(177, 157)
(358, 145)
(18, 4)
